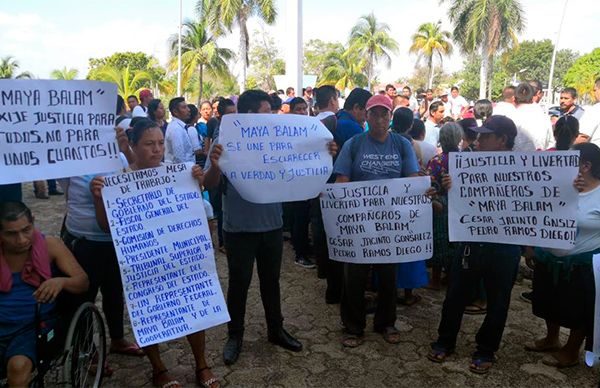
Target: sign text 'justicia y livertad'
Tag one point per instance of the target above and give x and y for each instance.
(521, 198)
(383, 221)
(160, 232)
(56, 129)
(275, 158)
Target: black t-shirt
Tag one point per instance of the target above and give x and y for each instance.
(211, 125)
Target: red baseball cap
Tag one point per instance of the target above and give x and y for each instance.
(379, 100)
(145, 93)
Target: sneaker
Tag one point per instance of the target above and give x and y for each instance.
(304, 262)
(526, 296)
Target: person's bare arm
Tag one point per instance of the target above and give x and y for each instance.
(75, 280)
(342, 179)
(212, 176)
(96, 186)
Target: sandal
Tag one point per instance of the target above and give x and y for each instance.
(551, 360)
(481, 366)
(162, 376)
(438, 355)
(130, 350)
(474, 309)
(536, 347)
(211, 382)
(410, 301)
(352, 340)
(391, 335)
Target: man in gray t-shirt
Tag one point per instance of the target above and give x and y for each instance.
(251, 231)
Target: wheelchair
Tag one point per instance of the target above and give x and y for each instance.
(73, 351)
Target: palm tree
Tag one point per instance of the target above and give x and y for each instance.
(428, 41)
(127, 82)
(343, 68)
(199, 52)
(9, 67)
(224, 14)
(371, 39)
(487, 26)
(64, 74)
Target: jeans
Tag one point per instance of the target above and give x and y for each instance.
(353, 297)
(242, 249)
(330, 269)
(497, 265)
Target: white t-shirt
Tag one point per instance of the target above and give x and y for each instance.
(432, 133)
(458, 104)
(534, 130)
(139, 111)
(588, 225)
(590, 123)
(505, 109)
(428, 151)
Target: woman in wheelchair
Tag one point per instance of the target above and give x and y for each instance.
(26, 259)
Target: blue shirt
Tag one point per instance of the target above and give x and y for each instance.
(346, 128)
(18, 305)
(375, 160)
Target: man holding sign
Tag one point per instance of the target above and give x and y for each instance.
(497, 264)
(375, 155)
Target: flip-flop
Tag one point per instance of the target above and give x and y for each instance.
(553, 361)
(411, 301)
(352, 340)
(129, 350)
(171, 383)
(438, 356)
(473, 309)
(391, 335)
(481, 366)
(206, 383)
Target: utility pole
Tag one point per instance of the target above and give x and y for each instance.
(293, 65)
(550, 91)
(179, 49)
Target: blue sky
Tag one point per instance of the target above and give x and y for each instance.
(44, 35)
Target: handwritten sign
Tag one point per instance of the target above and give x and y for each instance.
(520, 198)
(383, 221)
(275, 158)
(161, 236)
(56, 129)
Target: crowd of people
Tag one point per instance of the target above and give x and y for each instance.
(412, 134)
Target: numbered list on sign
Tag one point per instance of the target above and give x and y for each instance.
(161, 235)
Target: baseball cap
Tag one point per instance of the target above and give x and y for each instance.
(145, 93)
(444, 92)
(379, 100)
(498, 125)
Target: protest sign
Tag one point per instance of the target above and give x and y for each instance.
(160, 232)
(383, 221)
(61, 128)
(520, 198)
(592, 358)
(275, 158)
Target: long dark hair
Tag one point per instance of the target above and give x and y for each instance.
(152, 107)
(589, 152)
(566, 130)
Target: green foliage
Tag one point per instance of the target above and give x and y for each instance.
(371, 40)
(468, 78)
(9, 67)
(64, 74)
(136, 61)
(343, 68)
(265, 61)
(428, 41)
(128, 83)
(534, 57)
(420, 78)
(584, 72)
(316, 52)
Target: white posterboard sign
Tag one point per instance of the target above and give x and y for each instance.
(160, 232)
(383, 221)
(56, 129)
(519, 198)
(275, 158)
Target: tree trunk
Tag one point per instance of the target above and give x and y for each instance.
(483, 70)
(490, 78)
(370, 72)
(201, 86)
(430, 83)
(242, 19)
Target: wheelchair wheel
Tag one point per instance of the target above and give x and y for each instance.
(85, 348)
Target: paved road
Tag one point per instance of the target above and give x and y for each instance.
(323, 362)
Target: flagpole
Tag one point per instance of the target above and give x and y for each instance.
(179, 50)
(550, 91)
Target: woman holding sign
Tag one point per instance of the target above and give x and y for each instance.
(148, 144)
(563, 281)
